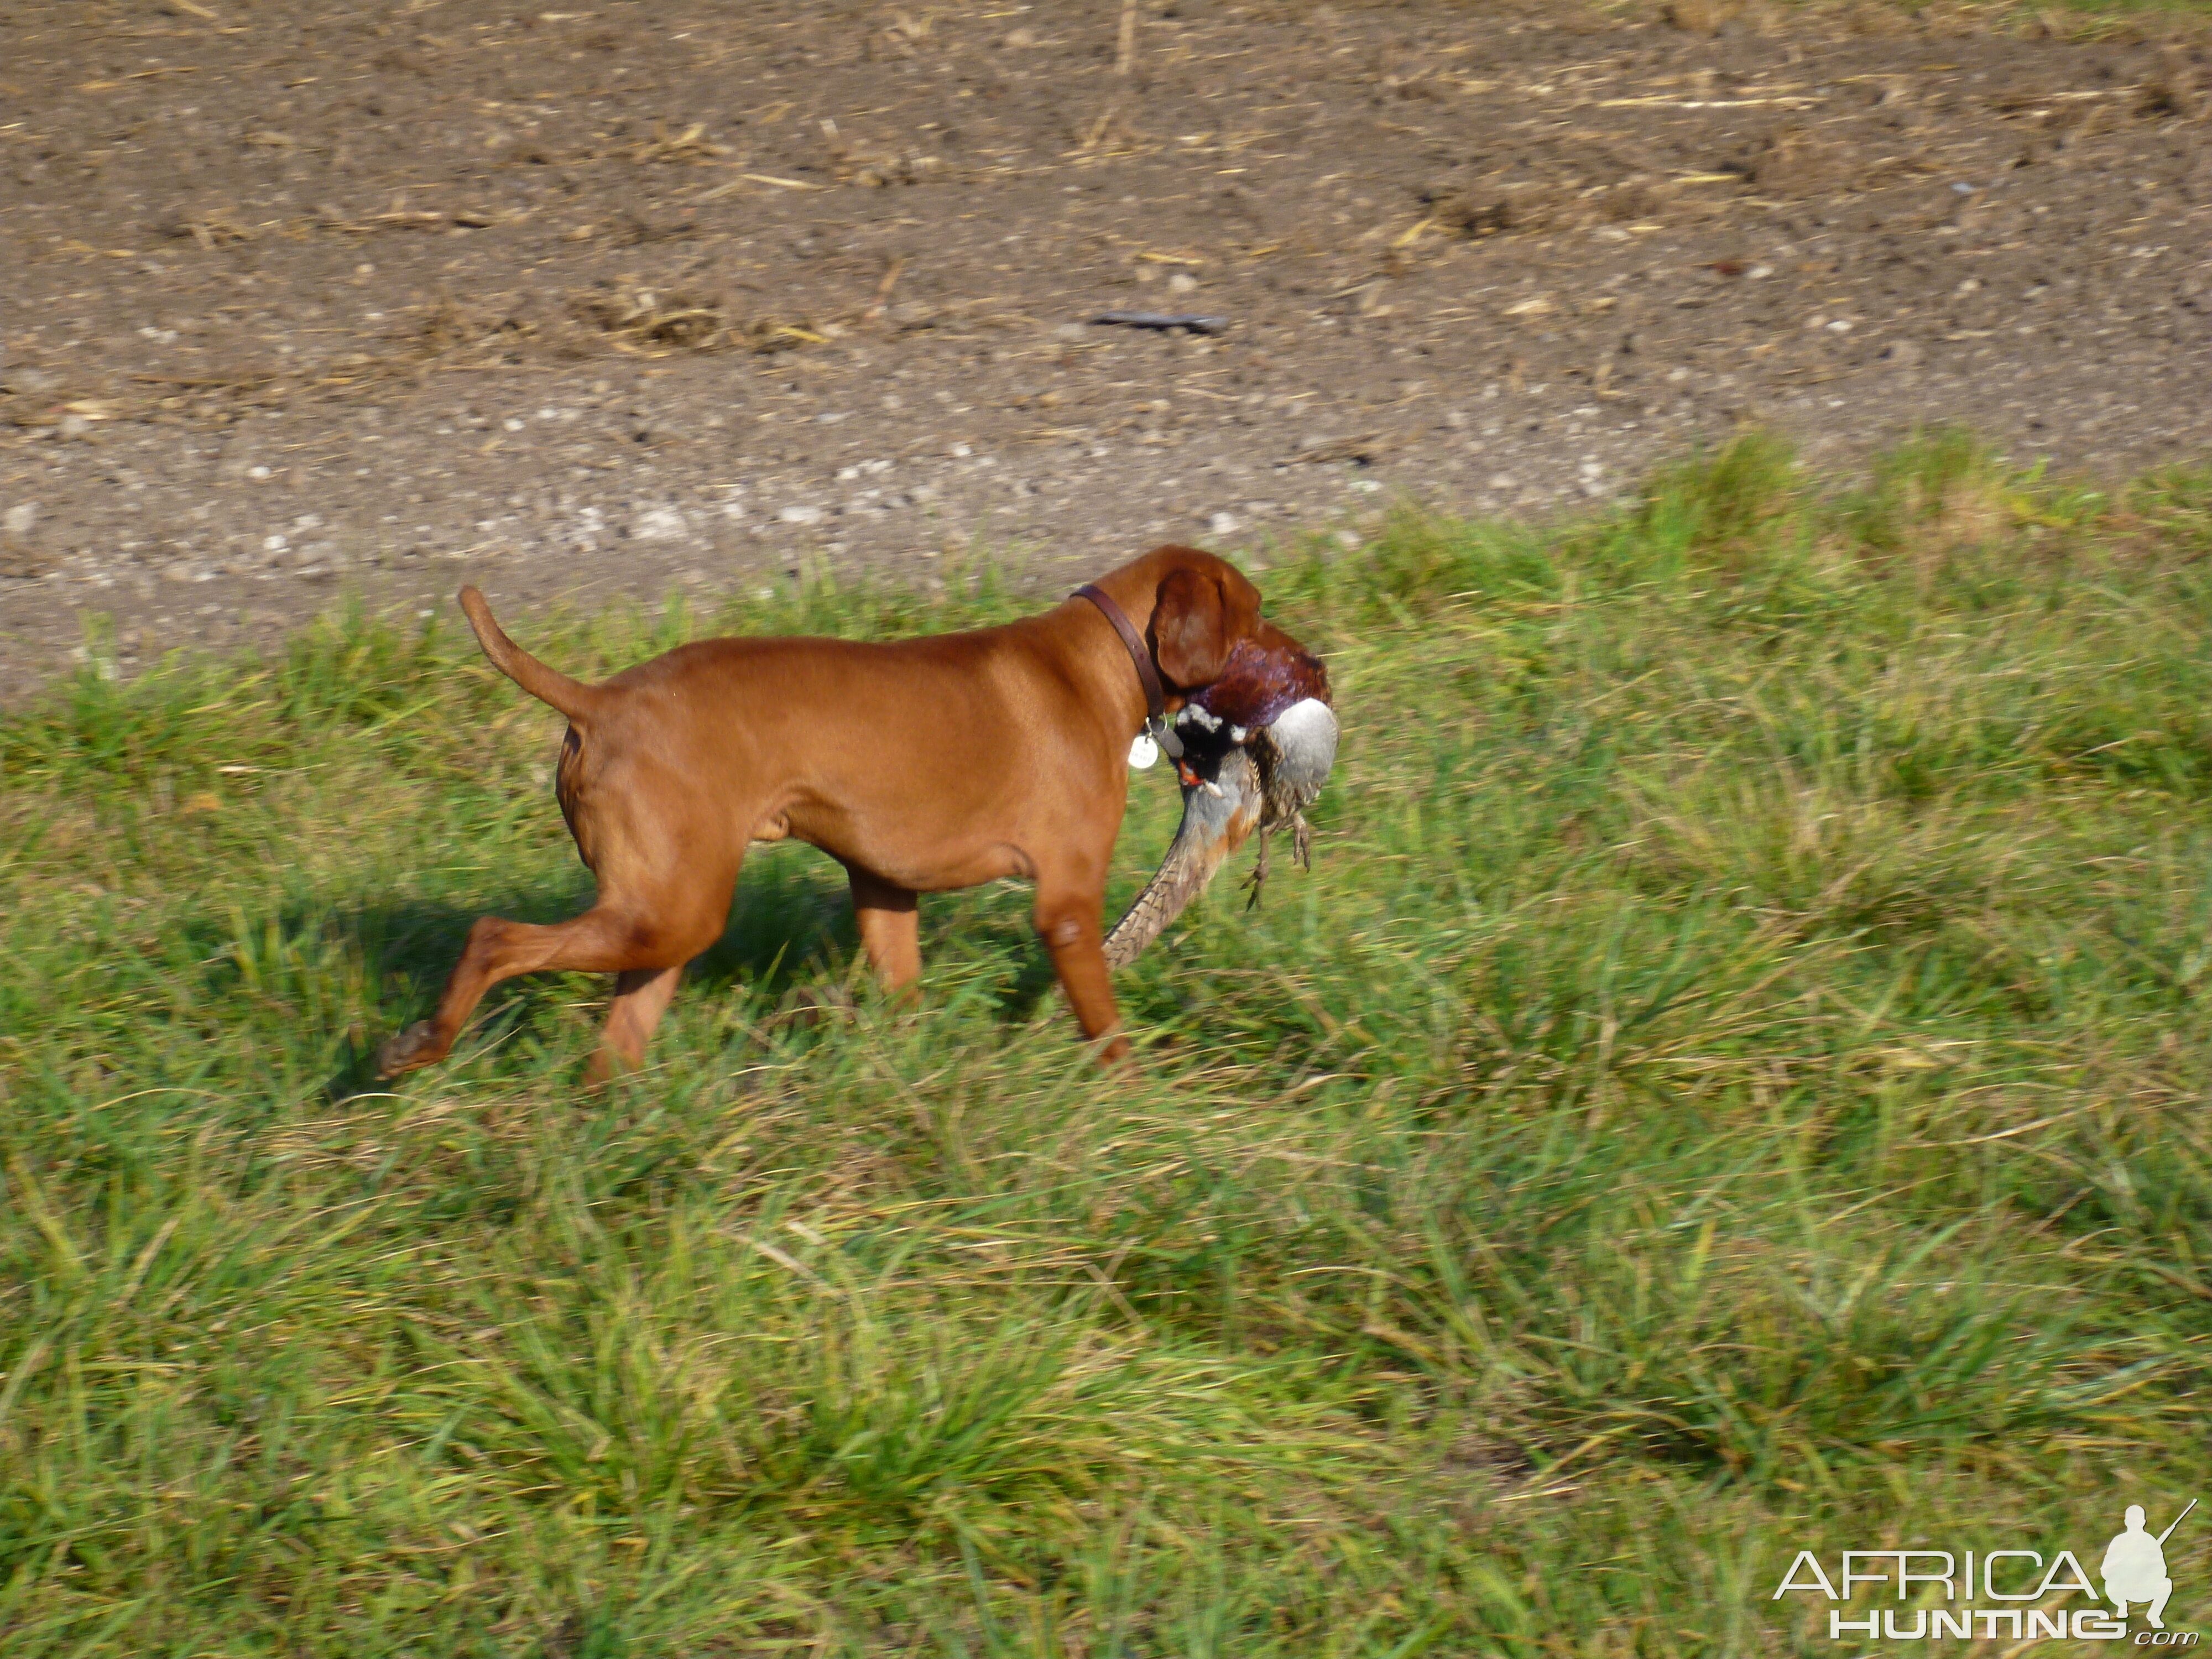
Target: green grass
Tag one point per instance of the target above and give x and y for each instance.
(1733, 1081)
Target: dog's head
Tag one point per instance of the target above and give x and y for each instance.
(1213, 647)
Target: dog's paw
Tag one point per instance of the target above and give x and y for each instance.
(415, 1046)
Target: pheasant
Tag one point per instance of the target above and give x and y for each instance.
(1257, 744)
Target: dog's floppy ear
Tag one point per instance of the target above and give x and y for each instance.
(1197, 620)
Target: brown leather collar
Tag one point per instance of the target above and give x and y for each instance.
(1156, 702)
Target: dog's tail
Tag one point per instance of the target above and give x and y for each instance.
(571, 697)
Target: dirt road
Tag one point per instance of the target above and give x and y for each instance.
(385, 294)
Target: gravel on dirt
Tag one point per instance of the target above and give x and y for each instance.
(380, 295)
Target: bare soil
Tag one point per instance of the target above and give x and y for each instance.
(382, 294)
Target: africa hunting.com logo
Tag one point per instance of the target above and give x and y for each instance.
(2133, 1573)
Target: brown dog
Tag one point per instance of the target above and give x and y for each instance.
(920, 765)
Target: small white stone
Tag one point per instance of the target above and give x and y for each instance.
(659, 524)
(1222, 523)
(800, 513)
(274, 544)
(257, 471)
(21, 519)
(512, 425)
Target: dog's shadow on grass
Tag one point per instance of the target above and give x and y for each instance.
(790, 947)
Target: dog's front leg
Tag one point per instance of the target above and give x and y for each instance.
(891, 933)
(1067, 920)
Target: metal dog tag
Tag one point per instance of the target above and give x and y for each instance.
(1142, 752)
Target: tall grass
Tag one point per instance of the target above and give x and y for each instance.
(1733, 1082)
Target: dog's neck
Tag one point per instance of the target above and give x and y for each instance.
(1112, 661)
(1140, 656)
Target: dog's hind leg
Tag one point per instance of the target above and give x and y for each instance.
(641, 997)
(645, 938)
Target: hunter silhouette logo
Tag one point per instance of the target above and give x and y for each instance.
(2133, 1574)
(2135, 1567)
